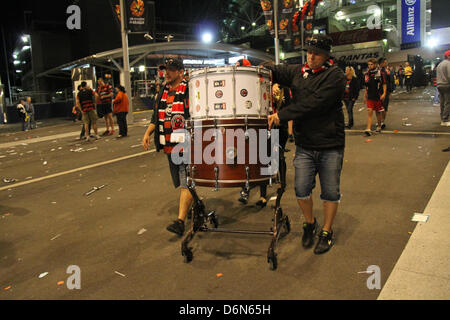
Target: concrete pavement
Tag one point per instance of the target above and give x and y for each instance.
(118, 239)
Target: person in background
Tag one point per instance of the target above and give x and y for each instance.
(408, 77)
(443, 85)
(86, 102)
(387, 76)
(376, 90)
(121, 108)
(245, 194)
(30, 110)
(22, 114)
(401, 76)
(105, 92)
(351, 94)
(436, 100)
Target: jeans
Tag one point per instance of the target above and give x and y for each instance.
(122, 123)
(445, 103)
(436, 96)
(349, 106)
(327, 163)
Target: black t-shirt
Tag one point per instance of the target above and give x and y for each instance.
(374, 81)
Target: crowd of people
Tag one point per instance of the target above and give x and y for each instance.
(102, 103)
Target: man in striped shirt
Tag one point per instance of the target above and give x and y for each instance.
(86, 102)
(170, 114)
(105, 91)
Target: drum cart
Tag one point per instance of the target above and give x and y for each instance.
(200, 218)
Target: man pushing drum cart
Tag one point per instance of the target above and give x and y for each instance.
(225, 140)
(318, 88)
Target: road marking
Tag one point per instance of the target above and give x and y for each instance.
(76, 170)
(53, 137)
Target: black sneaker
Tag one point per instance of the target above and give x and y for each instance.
(383, 126)
(309, 232)
(367, 133)
(291, 138)
(177, 227)
(325, 242)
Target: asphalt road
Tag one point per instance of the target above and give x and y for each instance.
(117, 236)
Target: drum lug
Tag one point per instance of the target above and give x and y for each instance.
(216, 173)
(215, 129)
(247, 173)
(193, 168)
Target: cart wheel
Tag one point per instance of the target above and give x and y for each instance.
(214, 219)
(188, 256)
(272, 260)
(287, 225)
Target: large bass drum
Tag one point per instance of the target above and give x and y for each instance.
(228, 126)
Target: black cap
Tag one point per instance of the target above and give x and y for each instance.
(319, 43)
(173, 63)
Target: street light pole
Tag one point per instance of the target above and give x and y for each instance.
(126, 62)
(302, 33)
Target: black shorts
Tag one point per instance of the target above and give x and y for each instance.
(178, 173)
(104, 109)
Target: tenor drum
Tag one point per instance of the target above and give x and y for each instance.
(225, 153)
(229, 92)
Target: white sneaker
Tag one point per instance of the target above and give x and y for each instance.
(87, 138)
(97, 136)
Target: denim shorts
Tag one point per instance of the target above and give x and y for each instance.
(327, 163)
(178, 173)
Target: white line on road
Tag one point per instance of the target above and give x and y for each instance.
(75, 170)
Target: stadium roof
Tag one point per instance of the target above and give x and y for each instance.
(156, 52)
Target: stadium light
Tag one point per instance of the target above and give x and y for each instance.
(207, 37)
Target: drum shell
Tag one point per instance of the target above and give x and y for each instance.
(230, 92)
(228, 175)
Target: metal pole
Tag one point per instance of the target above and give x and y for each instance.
(302, 31)
(7, 68)
(277, 41)
(126, 62)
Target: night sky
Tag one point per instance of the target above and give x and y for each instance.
(13, 19)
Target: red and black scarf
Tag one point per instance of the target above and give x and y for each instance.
(306, 70)
(171, 119)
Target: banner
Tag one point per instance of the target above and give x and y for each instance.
(285, 13)
(410, 23)
(267, 7)
(138, 14)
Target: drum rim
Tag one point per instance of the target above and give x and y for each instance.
(231, 181)
(238, 116)
(249, 69)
